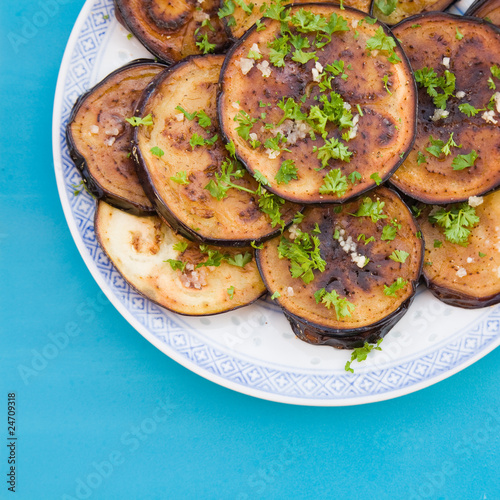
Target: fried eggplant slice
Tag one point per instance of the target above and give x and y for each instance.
(99, 136)
(241, 16)
(392, 12)
(186, 169)
(489, 10)
(456, 62)
(172, 30)
(345, 274)
(322, 105)
(182, 276)
(462, 251)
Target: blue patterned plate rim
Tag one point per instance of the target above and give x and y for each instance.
(295, 387)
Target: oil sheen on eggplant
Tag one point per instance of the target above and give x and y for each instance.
(465, 276)
(139, 248)
(241, 20)
(386, 109)
(407, 8)
(170, 29)
(99, 137)
(190, 208)
(375, 313)
(486, 9)
(468, 48)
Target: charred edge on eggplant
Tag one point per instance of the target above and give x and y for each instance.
(174, 27)
(350, 338)
(404, 60)
(79, 160)
(404, 188)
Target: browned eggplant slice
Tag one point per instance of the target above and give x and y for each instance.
(365, 297)
(489, 10)
(141, 248)
(176, 170)
(468, 274)
(99, 136)
(172, 30)
(443, 48)
(238, 19)
(392, 12)
(314, 144)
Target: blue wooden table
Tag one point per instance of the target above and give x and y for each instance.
(105, 415)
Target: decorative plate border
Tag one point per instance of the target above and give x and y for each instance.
(162, 328)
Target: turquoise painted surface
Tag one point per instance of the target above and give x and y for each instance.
(105, 415)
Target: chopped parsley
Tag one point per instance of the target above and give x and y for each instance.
(204, 45)
(390, 231)
(372, 209)
(230, 292)
(387, 7)
(135, 121)
(223, 181)
(304, 255)
(456, 222)
(438, 244)
(464, 161)
(458, 35)
(180, 178)
(421, 158)
(439, 147)
(246, 123)
(375, 177)
(354, 177)
(157, 151)
(469, 110)
(360, 354)
(342, 306)
(399, 284)
(287, 172)
(334, 183)
(385, 79)
(383, 43)
(275, 295)
(176, 264)
(333, 149)
(189, 116)
(399, 256)
(427, 77)
(180, 246)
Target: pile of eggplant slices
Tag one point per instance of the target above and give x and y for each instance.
(305, 150)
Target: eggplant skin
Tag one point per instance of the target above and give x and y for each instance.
(318, 335)
(244, 22)
(235, 220)
(485, 9)
(408, 8)
(375, 313)
(139, 247)
(428, 39)
(168, 29)
(386, 132)
(134, 202)
(458, 275)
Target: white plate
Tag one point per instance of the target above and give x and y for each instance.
(253, 350)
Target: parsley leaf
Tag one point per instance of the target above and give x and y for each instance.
(438, 146)
(189, 116)
(464, 161)
(135, 121)
(360, 354)
(375, 177)
(240, 260)
(230, 292)
(372, 209)
(334, 183)
(204, 45)
(399, 256)
(399, 284)
(270, 205)
(291, 110)
(469, 110)
(342, 306)
(427, 77)
(246, 123)
(333, 149)
(223, 181)
(384, 43)
(157, 151)
(176, 264)
(287, 172)
(180, 246)
(180, 178)
(387, 7)
(354, 177)
(456, 222)
(304, 255)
